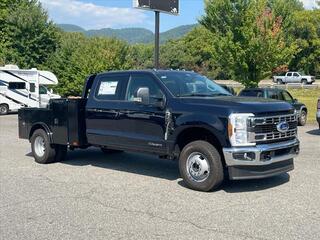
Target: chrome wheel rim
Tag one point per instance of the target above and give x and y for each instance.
(198, 168)
(39, 146)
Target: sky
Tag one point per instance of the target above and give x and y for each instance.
(97, 14)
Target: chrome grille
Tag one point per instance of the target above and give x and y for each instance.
(264, 129)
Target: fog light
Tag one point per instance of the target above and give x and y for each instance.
(266, 156)
(247, 156)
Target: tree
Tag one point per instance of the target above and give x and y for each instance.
(285, 9)
(79, 56)
(192, 52)
(306, 33)
(143, 56)
(5, 7)
(249, 38)
(29, 38)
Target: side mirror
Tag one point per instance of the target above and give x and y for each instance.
(143, 95)
(295, 100)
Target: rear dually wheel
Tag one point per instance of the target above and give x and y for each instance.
(42, 149)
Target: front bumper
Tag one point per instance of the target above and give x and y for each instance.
(261, 161)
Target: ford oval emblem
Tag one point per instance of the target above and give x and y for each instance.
(283, 127)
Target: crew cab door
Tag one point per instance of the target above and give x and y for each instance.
(288, 78)
(142, 125)
(102, 109)
(296, 78)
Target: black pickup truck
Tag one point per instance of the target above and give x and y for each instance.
(176, 115)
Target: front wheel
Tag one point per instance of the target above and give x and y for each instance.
(200, 166)
(304, 82)
(303, 118)
(279, 81)
(43, 151)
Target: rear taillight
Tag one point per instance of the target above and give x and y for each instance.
(319, 104)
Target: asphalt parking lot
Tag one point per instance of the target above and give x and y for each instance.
(133, 196)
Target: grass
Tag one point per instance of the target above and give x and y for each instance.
(307, 96)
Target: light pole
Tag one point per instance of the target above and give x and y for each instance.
(157, 41)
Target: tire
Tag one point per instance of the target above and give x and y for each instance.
(43, 151)
(304, 82)
(110, 151)
(303, 118)
(279, 81)
(199, 157)
(4, 109)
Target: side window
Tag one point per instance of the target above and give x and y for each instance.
(109, 88)
(273, 94)
(17, 85)
(296, 74)
(287, 97)
(289, 74)
(42, 90)
(143, 80)
(32, 87)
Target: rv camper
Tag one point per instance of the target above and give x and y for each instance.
(25, 88)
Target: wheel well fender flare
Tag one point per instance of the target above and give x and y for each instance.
(303, 108)
(41, 125)
(213, 132)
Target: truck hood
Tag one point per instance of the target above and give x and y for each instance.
(232, 104)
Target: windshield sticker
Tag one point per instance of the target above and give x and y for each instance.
(108, 88)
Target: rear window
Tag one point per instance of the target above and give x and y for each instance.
(251, 93)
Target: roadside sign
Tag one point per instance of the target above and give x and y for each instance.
(165, 6)
(157, 6)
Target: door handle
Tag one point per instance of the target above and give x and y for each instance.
(114, 112)
(93, 110)
(126, 112)
(101, 110)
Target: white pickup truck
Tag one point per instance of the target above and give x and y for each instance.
(293, 77)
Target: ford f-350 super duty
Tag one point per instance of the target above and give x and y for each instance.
(177, 115)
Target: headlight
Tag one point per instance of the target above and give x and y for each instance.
(237, 129)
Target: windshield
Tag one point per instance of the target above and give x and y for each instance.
(184, 84)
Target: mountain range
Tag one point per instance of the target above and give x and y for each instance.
(131, 35)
